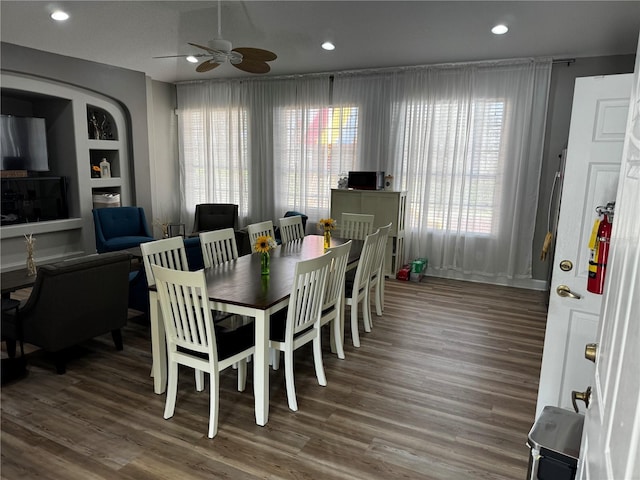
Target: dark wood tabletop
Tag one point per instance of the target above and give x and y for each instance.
(240, 282)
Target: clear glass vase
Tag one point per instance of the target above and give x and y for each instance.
(264, 263)
(327, 239)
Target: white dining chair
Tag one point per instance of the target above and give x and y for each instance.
(218, 246)
(333, 306)
(376, 276)
(291, 228)
(357, 287)
(299, 323)
(356, 225)
(193, 339)
(168, 253)
(256, 230)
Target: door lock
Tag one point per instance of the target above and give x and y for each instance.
(591, 351)
(565, 291)
(582, 396)
(566, 265)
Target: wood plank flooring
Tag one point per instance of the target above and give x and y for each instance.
(444, 387)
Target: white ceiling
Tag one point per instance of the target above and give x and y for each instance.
(367, 34)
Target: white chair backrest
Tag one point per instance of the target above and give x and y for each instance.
(356, 225)
(367, 258)
(187, 316)
(291, 228)
(307, 294)
(381, 247)
(218, 246)
(335, 282)
(256, 230)
(168, 253)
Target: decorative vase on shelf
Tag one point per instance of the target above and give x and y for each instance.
(31, 263)
(105, 169)
(264, 263)
(327, 239)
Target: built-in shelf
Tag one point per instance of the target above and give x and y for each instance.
(36, 228)
(100, 124)
(103, 183)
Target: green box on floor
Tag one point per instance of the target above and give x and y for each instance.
(419, 265)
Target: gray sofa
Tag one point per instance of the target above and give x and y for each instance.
(73, 301)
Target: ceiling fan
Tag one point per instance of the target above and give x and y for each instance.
(219, 51)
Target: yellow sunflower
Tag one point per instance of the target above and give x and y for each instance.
(264, 243)
(327, 224)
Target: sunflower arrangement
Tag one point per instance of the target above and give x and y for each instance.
(264, 244)
(327, 224)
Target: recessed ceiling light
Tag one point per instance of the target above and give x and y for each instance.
(328, 46)
(500, 29)
(60, 16)
(192, 59)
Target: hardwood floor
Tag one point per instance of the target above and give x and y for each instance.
(444, 387)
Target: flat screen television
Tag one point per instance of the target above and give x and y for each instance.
(23, 144)
(33, 199)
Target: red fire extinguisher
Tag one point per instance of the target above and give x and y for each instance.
(599, 245)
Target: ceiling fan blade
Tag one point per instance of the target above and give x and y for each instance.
(256, 54)
(210, 50)
(253, 66)
(206, 66)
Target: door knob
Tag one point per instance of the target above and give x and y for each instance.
(582, 396)
(565, 291)
(590, 351)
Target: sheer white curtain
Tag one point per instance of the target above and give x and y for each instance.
(467, 146)
(213, 147)
(301, 147)
(465, 141)
(256, 143)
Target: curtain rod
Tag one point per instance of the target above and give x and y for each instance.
(387, 69)
(568, 61)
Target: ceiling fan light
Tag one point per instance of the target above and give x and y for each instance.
(192, 59)
(328, 46)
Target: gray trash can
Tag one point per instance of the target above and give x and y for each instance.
(555, 441)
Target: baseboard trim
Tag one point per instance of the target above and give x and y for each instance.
(528, 283)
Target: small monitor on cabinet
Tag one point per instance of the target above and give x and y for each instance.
(366, 180)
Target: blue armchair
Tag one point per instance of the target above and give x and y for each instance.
(119, 228)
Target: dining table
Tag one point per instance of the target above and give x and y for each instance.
(238, 287)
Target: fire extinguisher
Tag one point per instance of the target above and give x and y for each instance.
(599, 245)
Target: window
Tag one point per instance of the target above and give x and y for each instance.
(312, 147)
(216, 157)
(460, 165)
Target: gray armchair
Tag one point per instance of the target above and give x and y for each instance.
(73, 301)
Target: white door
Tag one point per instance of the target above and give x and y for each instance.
(594, 153)
(611, 436)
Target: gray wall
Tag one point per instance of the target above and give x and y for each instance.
(563, 78)
(163, 152)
